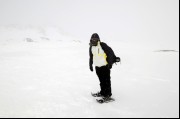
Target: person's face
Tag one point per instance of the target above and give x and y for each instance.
(94, 41)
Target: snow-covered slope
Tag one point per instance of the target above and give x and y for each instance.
(18, 34)
(52, 79)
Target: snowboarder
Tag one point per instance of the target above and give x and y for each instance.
(103, 57)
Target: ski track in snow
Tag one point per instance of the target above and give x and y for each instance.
(52, 79)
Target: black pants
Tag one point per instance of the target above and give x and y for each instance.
(104, 77)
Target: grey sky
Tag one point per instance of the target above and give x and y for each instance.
(147, 21)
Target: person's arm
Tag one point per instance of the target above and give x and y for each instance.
(90, 59)
(110, 54)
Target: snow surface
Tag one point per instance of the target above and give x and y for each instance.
(51, 78)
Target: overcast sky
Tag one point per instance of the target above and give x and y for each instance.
(146, 21)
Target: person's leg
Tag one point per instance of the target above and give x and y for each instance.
(100, 74)
(107, 80)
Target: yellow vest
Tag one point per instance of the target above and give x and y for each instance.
(99, 56)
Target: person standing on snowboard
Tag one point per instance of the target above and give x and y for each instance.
(103, 57)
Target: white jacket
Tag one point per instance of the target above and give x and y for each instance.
(99, 56)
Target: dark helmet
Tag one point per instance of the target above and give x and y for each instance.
(94, 39)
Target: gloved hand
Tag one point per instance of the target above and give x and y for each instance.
(118, 59)
(109, 66)
(91, 68)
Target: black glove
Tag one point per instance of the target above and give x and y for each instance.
(118, 59)
(109, 66)
(91, 68)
